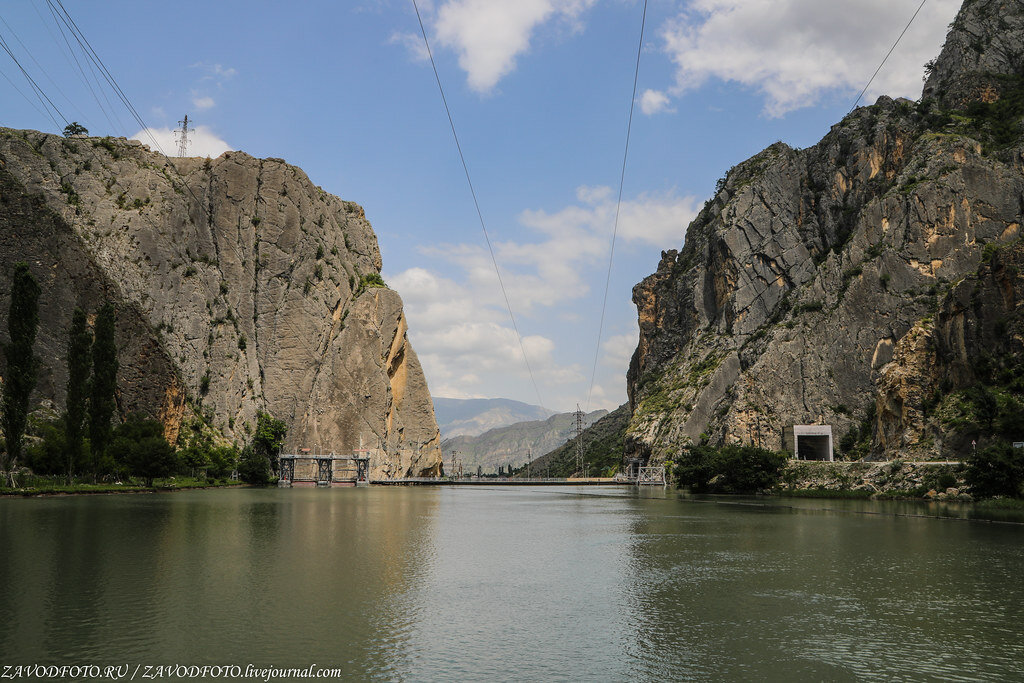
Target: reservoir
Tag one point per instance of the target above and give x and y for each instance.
(514, 583)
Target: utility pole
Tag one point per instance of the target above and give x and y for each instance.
(182, 133)
(579, 440)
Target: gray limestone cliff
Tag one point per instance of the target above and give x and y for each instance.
(240, 287)
(811, 275)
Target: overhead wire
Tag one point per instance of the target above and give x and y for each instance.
(88, 84)
(886, 58)
(18, 90)
(93, 57)
(40, 66)
(476, 203)
(44, 99)
(618, 204)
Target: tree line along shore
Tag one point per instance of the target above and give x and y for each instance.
(88, 447)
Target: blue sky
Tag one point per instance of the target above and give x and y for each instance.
(540, 93)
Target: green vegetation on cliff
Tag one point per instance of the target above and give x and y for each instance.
(730, 469)
(802, 287)
(603, 449)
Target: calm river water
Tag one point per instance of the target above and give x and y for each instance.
(512, 584)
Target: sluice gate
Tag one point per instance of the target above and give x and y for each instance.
(305, 469)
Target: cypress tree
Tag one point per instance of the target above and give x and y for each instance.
(22, 364)
(104, 383)
(79, 365)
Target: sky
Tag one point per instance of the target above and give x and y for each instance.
(540, 93)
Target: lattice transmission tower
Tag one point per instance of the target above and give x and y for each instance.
(182, 135)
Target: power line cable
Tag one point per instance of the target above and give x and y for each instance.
(92, 56)
(27, 98)
(884, 59)
(476, 203)
(44, 99)
(618, 205)
(40, 66)
(78, 64)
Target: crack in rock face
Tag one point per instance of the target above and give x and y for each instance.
(240, 288)
(821, 270)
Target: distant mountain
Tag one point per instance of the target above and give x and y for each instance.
(602, 450)
(473, 416)
(513, 444)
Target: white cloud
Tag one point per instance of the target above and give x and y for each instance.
(794, 51)
(618, 349)
(202, 141)
(593, 195)
(202, 102)
(217, 72)
(659, 220)
(458, 321)
(489, 36)
(653, 102)
(413, 42)
(465, 343)
(553, 270)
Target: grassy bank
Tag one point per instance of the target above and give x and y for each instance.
(42, 486)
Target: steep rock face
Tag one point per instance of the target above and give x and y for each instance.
(239, 285)
(932, 395)
(801, 277)
(982, 49)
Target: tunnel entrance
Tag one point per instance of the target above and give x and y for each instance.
(809, 442)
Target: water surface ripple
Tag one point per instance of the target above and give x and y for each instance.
(513, 584)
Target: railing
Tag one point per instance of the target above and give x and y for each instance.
(651, 475)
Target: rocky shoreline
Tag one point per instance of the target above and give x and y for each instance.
(894, 478)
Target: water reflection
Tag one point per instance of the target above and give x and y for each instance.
(268, 577)
(777, 592)
(511, 584)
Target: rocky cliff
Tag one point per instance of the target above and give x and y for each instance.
(240, 287)
(812, 275)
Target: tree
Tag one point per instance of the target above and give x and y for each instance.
(196, 455)
(254, 467)
(22, 364)
(986, 407)
(997, 470)
(269, 437)
(79, 364)
(104, 383)
(730, 469)
(75, 128)
(48, 455)
(222, 460)
(140, 447)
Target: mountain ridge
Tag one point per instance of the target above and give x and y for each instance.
(474, 416)
(513, 444)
